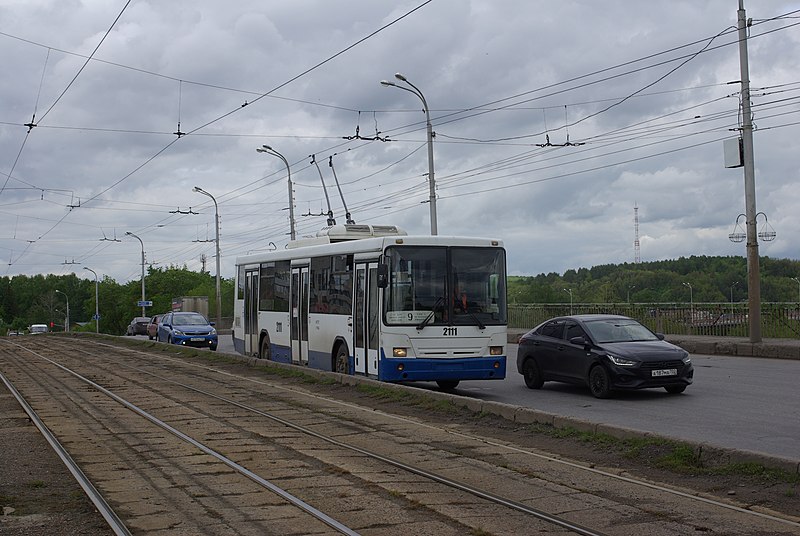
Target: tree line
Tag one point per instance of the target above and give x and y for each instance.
(706, 279)
(26, 300)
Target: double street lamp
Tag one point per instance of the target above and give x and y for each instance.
(66, 325)
(216, 224)
(96, 301)
(431, 181)
(269, 150)
(144, 313)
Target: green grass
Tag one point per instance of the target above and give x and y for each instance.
(666, 454)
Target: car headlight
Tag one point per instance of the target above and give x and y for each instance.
(687, 359)
(177, 332)
(213, 331)
(619, 361)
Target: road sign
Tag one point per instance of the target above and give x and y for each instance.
(95, 317)
(146, 303)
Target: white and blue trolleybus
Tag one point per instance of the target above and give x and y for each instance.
(372, 301)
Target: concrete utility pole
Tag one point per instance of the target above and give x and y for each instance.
(429, 128)
(269, 150)
(144, 312)
(753, 276)
(216, 225)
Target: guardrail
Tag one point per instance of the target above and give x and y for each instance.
(778, 320)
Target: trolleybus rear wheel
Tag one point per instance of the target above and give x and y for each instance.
(342, 362)
(264, 349)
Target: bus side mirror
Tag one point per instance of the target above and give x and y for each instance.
(383, 275)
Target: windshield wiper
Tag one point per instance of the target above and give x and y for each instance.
(428, 318)
(476, 319)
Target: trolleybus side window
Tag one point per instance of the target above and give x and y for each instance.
(266, 287)
(282, 274)
(331, 284)
(240, 286)
(273, 286)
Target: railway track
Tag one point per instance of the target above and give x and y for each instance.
(175, 445)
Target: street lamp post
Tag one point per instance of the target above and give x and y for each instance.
(797, 280)
(269, 150)
(732, 287)
(431, 181)
(66, 325)
(216, 222)
(629, 292)
(691, 302)
(96, 301)
(144, 313)
(569, 291)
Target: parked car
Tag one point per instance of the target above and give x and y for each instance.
(138, 326)
(36, 329)
(604, 352)
(187, 329)
(152, 326)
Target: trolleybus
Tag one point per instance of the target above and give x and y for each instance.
(373, 301)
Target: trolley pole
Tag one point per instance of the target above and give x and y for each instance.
(753, 276)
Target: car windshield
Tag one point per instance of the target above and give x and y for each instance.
(189, 320)
(618, 330)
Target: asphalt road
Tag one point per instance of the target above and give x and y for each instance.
(735, 402)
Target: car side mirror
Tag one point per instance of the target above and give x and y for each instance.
(660, 336)
(383, 275)
(212, 323)
(578, 341)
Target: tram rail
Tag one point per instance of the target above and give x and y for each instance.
(153, 369)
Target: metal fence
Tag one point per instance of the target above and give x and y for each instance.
(778, 320)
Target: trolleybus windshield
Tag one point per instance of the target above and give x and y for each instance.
(445, 286)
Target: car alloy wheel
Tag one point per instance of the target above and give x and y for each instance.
(599, 382)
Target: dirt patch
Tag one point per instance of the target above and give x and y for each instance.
(38, 495)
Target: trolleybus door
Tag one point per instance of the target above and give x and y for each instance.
(365, 319)
(299, 311)
(251, 312)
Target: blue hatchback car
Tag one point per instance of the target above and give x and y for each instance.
(187, 329)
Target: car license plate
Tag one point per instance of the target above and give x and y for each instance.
(664, 372)
(198, 339)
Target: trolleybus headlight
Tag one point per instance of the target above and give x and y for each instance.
(399, 352)
(495, 350)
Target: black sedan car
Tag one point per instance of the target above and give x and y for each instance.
(605, 352)
(138, 326)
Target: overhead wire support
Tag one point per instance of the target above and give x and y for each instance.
(180, 95)
(358, 136)
(179, 211)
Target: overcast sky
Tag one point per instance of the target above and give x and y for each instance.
(552, 121)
